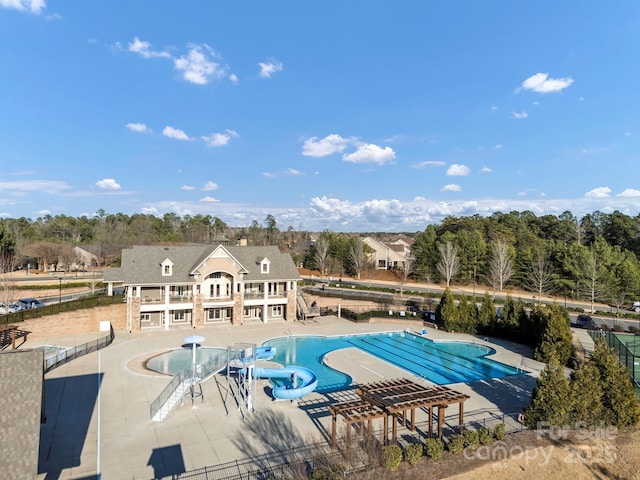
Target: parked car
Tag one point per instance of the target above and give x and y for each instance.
(584, 321)
(9, 308)
(27, 303)
(635, 307)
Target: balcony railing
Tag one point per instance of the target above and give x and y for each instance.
(180, 298)
(147, 300)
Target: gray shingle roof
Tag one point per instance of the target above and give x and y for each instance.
(141, 264)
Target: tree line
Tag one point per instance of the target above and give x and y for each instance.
(594, 257)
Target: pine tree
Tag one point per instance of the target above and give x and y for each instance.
(487, 315)
(446, 312)
(619, 398)
(467, 312)
(556, 338)
(586, 394)
(551, 400)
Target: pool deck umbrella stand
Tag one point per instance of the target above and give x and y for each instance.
(194, 340)
(395, 398)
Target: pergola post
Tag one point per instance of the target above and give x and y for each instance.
(441, 409)
(413, 419)
(334, 427)
(430, 411)
(461, 417)
(385, 430)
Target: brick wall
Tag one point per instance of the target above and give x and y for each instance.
(79, 321)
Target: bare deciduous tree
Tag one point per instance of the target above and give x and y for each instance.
(321, 255)
(45, 253)
(357, 256)
(405, 270)
(449, 264)
(501, 264)
(538, 276)
(8, 264)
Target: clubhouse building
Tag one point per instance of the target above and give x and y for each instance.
(197, 285)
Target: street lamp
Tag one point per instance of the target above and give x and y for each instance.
(59, 290)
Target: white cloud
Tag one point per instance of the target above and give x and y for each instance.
(519, 115)
(175, 133)
(234, 78)
(198, 67)
(334, 143)
(23, 186)
(428, 164)
(486, 170)
(269, 68)
(599, 192)
(629, 192)
(187, 188)
(457, 170)
(288, 171)
(219, 139)
(541, 83)
(370, 153)
(209, 199)
(210, 186)
(452, 187)
(138, 127)
(108, 184)
(143, 49)
(498, 146)
(32, 6)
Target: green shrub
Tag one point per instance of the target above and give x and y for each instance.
(391, 457)
(485, 436)
(333, 472)
(456, 443)
(470, 439)
(413, 452)
(434, 448)
(498, 431)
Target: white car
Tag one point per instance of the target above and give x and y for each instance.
(635, 307)
(10, 308)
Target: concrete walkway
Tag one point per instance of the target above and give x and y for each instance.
(98, 405)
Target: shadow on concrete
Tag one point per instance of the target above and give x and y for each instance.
(69, 405)
(510, 394)
(167, 462)
(276, 433)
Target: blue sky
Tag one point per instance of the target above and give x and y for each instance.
(347, 116)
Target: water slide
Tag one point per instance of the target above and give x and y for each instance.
(297, 381)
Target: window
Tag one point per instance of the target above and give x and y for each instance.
(264, 266)
(277, 311)
(178, 316)
(145, 317)
(167, 268)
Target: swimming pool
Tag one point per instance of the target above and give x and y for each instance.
(181, 359)
(439, 362)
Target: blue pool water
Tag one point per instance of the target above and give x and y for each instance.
(439, 362)
(181, 359)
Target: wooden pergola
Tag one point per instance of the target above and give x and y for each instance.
(396, 398)
(10, 332)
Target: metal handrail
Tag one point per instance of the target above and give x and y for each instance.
(217, 363)
(75, 352)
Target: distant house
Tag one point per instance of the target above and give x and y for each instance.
(85, 256)
(388, 255)
(192, 286)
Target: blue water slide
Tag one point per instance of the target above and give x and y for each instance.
(265, 353)
(305, 379)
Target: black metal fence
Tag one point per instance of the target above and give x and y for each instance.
(71, 353)
(300, 462)
(627, 347)
(52, 309)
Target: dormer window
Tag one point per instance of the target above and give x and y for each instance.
(264, 265)
(167, 268)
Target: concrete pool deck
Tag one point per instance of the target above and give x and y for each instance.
(98, 405)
